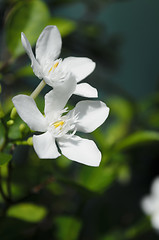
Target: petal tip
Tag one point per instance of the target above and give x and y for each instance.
(22, 36)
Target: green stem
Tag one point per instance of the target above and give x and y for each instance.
(37, 90)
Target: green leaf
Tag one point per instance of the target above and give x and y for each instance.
(24, 72)
(67, 228)
(112, 236)
(18, 191)
(137, 138)
(142, 226)
(65, 26)
(27, 212)
(1, 112)
(29, 17)
(115, 132)
(14, 131)
(4, 158)
(97, 179)
(121, 108)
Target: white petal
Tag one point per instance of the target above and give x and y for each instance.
(91, 114)
(34, 64)
(155, 220)
(80, 150)
(86, 90)
(57, 98)
(147, 205)
(45, 146)
(81, 67)
(28, 111)
(155, 187)
(48, 45)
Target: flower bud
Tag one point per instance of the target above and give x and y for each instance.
(13, 113)
(22, 127)
(10, 122)
(30, 141)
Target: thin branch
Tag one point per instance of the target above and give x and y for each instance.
(36, 189)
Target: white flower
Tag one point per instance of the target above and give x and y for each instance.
(150, 204)
(47, 66)
(61, 126)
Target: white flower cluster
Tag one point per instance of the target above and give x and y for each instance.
(150, 204)
(58, 125)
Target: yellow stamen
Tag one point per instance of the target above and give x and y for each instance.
(54, 66)
(50, 70)
(58, 123)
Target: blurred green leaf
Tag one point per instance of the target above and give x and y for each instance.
(153, 119)
(4, 158)
(140, 227)
(115, 132)
(2, 135)
(27, 212)
(55, 188)
(1, 111)
(4, 170)
(137, 138)
(14, 131)
(7, 104)
(113, 236)
(121, 108)
(65, 26)
(124, 173)
(67, 228)
(25, 72)
(29, 17)
(63, 162)
(18, 191)
(121, 116)
(97, 179)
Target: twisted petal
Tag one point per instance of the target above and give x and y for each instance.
(34, 64)
(48, 45)
(91, 114)
(81, 67)
(57, 98)
(28, 111)
(45, 146)
(86, 90)
(80, 150)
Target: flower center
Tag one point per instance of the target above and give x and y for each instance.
(58, 123)
(63, 125)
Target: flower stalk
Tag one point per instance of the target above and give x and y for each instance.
(38, 89)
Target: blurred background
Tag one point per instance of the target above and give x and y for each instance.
(60, 199)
